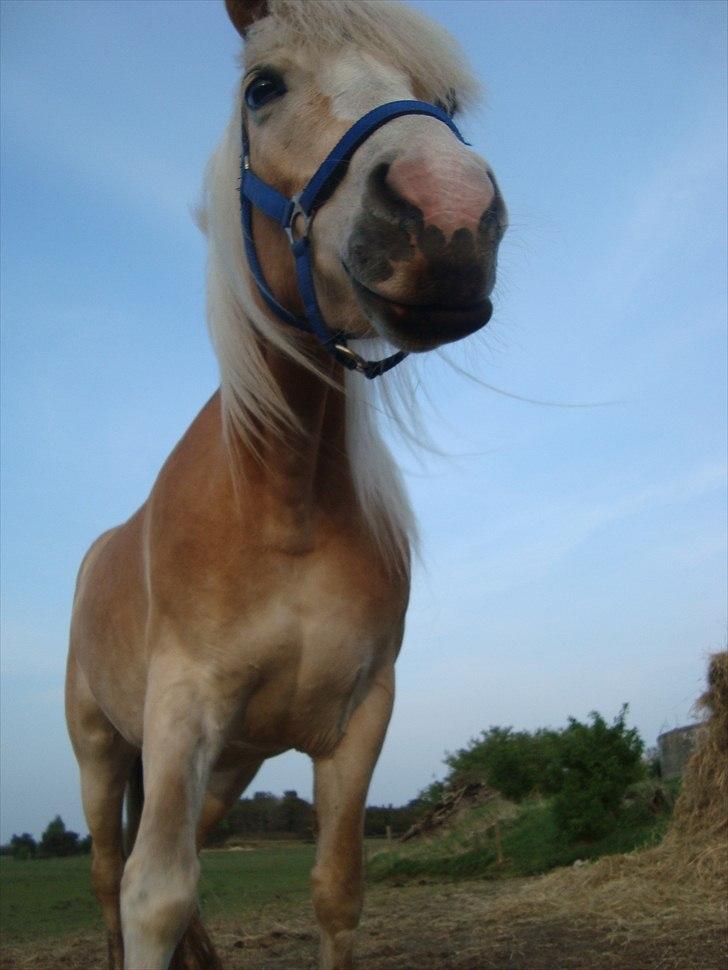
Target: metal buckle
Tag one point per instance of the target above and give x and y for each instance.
(357, 363)
(296, 212)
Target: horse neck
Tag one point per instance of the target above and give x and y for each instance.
(306, 469)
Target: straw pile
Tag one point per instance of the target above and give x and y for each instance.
(701, 813)
(676, 889)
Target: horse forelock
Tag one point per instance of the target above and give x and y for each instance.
(389, 30)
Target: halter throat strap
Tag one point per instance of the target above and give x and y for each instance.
(295, 216)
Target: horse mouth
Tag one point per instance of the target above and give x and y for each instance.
(419, 327)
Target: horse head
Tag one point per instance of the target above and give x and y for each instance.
(404, 243)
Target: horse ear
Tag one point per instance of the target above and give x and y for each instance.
(245, 12)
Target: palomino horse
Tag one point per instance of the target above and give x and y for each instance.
(255, 603)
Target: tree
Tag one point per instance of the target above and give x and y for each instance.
(23, 846)
(379, 818)
(594, 765)
(57, 840)
(295, 815)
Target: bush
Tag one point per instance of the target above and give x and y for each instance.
(586, 767)
(516, 763)
(594, 765)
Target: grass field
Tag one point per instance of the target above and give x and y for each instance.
(257, 906)
(424, 908)
(45, 897)
(49, 897)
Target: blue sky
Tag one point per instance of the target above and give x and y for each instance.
(573, 558)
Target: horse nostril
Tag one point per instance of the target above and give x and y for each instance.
(378, 177)
(493, 221)
(384, 194)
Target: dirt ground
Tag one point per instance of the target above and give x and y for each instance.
(423, 927)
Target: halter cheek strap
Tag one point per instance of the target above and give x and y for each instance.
(295, 216)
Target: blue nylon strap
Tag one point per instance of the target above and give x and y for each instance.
(375, 368)
(331, 170)
(255, 192)
(266, 198)
(334, 342)
(307, 289)
(257, 270)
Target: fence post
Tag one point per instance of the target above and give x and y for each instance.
(498, 844)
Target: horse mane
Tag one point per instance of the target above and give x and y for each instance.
(239, 329)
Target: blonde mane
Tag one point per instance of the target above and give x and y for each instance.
(239, 328)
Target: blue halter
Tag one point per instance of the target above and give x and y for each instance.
(301, 209)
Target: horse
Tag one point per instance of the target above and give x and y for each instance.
(256, 602)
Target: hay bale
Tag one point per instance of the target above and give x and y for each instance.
(696, 844)
(701, 811)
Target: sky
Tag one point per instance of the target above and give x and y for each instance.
(573, 558)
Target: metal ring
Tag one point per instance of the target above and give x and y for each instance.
(296, 212)
(357, 363)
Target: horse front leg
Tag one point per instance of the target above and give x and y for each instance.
(341, 785)
(105, 760)
(182, 738)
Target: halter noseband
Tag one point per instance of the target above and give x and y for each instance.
(296, 215)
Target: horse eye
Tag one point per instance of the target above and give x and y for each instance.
(264, 88)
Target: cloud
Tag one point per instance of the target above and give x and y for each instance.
(660, 214)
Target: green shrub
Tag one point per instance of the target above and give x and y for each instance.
(516, 763)
(586, 767)
(593, 767)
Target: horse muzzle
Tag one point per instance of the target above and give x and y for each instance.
(422, 252)
(421, 326)
(450, 314)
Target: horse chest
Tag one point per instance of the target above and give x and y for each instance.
(307, 653)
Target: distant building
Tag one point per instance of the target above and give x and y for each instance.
(675, 748)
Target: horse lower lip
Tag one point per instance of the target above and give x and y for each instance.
(429, 324)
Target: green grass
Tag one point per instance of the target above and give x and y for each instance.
(51, 897)
(530, 843)
(44, 897)
(237, 882)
